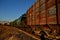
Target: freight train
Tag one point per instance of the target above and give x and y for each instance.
(44, 14)
(41, 15)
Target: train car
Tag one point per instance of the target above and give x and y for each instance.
(44, 13)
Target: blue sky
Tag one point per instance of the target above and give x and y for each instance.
(13, 9)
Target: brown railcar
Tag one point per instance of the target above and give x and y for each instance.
(44, 12)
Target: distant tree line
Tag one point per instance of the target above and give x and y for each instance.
(21, 21)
